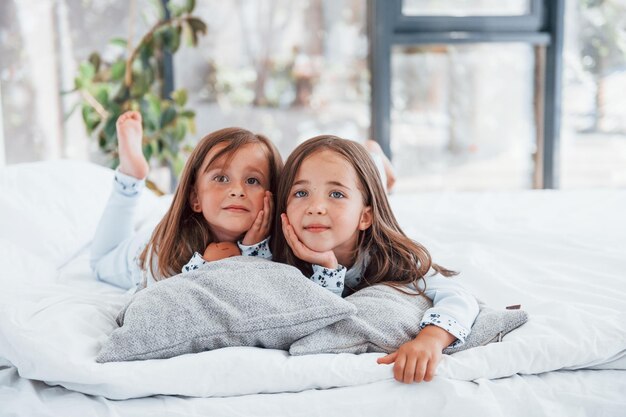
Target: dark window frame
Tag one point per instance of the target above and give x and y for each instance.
(542, 28)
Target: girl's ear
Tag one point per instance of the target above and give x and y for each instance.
(194, 201)
(366, 218)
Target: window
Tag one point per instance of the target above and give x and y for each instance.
(450, 77)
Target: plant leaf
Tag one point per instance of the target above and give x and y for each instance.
(197, 25)
(171, 39)
(118, 70)
(180, 96)
(119, 42)
(191, 4)
(102, 94)
(175, 10)
(168, 116)
(91, 118)
(86, 72)
(95, 60)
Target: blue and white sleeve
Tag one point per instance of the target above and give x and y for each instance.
(454, 308)
(194, 263)
(261, 249)
(331, 279)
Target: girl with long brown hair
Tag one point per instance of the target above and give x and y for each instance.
(225, 195)
(338, 228)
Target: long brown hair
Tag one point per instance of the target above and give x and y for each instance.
(183, 231)
(394, 258)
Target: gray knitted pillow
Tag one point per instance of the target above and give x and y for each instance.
(239, 301)
(387, 318)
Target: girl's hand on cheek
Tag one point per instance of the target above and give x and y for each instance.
(325, 259)
(260, 229)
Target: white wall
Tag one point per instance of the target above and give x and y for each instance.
(2, 156)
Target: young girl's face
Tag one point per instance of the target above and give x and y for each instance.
(230, 196)
(325, 205)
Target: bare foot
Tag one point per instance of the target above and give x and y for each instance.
(129, 141)
(375, 148)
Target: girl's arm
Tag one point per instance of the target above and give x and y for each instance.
(454, 308)
(261, 249)
(448, 322)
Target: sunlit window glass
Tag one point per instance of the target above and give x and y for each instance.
(465, 7)
(463, 117)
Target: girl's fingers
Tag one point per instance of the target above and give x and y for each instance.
(286, 234)
(286, 226)
(430, 370)
(270, 208)
(398, 368)
(409, 370)
(287, 231)
(420, 370)
(267, 210)
(258, 222)
(300, 250)
(391, 358)
(297, 247)
(266, 202)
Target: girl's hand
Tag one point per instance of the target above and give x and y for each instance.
(260, 229)
(325, 259)
(417, 360)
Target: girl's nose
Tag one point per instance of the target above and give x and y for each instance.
(237, 191)
(316, 207)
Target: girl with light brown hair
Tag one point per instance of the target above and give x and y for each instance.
(225, 196)
(338, 228)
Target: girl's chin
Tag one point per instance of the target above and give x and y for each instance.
(318, 247)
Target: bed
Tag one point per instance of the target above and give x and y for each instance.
(560, 254)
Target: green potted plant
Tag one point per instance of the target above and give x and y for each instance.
(134, 81)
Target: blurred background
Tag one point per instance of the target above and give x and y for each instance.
(463, 116)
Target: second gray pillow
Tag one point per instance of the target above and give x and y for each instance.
(387, 318)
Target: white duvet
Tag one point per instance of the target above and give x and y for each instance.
(520, 248)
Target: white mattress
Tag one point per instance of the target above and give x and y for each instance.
(562, 255)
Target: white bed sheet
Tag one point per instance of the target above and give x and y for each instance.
(562, 255)
(560, 393)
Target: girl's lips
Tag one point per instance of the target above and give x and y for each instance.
(238, 209)
(316, 228)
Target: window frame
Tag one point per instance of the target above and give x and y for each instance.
(542, 28)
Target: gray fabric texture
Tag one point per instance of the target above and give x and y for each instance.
(387, 318)
(239, 301)
(490, 326)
